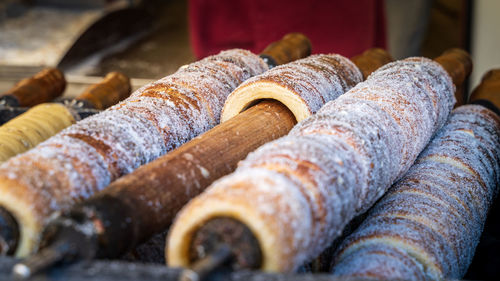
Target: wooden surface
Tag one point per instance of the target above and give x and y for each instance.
(44, 86)
(114, 88)
(370, 60)
(458, 64)
(292, 47)
(489, 89)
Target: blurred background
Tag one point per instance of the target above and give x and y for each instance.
(148, 39)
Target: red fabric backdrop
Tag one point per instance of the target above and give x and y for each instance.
(340, 26)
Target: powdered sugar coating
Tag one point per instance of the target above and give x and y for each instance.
(87, 156)
(371, 132)
(347, 155)
(385, 261)
(316, 79)
(324, 178)
(79, 167)
(434, 83)
(418, 95)
(436, 212)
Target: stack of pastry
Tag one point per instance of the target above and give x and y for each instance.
(87, 156)
(297, 193)
(429, 223)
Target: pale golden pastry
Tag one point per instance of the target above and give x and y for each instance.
(32, 127)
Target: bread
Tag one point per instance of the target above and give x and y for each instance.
(297, 193)
(87, 156)
(429, 223)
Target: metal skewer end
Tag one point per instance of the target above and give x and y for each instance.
(9, 233)
(207, 265)
(39, 262)
(65, 241)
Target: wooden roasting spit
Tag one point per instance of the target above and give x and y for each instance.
(114, 88)
(44, 86)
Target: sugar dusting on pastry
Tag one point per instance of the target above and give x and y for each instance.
(435, 214)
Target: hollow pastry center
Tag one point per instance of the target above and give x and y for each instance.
(9, 233)
(221, 231)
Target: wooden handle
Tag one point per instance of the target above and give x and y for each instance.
(112, 89)
(489, 90)
(292, 46)
(458, 64)
(45, 86)
(370, 60)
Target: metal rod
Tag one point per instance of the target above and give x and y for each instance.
(67, 240)
(9, 233)
(207, 265)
